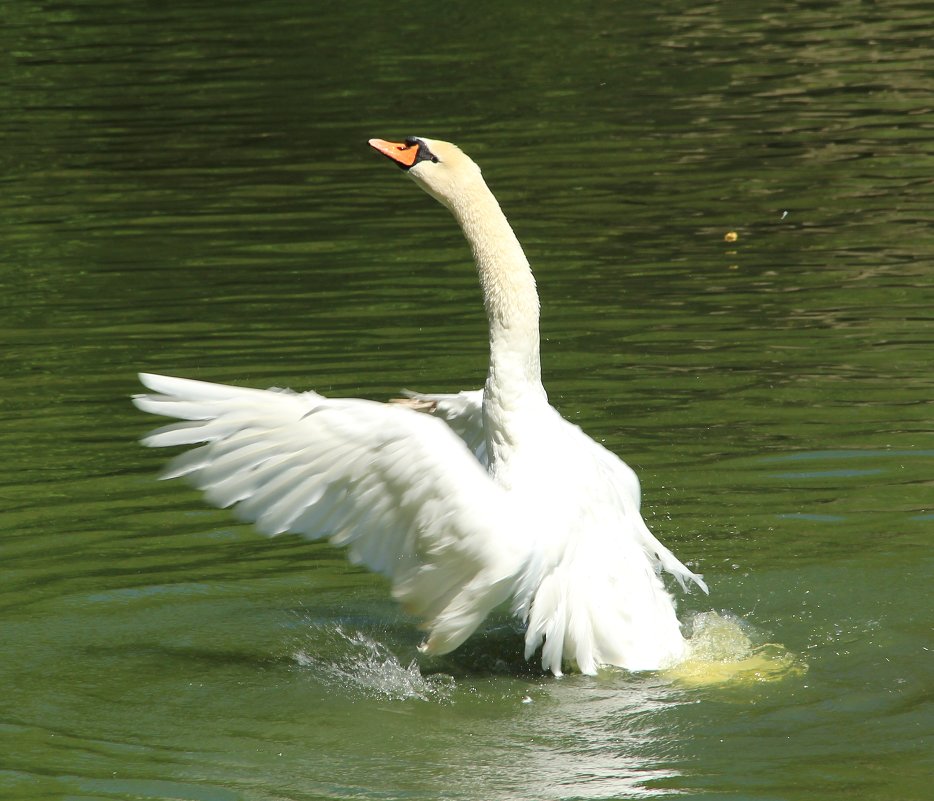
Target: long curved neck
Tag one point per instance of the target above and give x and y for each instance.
(509, 295)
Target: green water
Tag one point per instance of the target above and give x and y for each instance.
(186, 189)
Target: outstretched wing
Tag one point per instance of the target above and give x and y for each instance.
(398, 488)
(462, 411)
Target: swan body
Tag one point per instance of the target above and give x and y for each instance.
(465, 501)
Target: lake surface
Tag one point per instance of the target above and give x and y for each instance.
(186, 189)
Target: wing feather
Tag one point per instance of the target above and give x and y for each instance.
(462, 411)
(399, 488)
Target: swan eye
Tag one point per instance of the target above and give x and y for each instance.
(423, 153)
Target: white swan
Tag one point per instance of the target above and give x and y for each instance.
(531, 512)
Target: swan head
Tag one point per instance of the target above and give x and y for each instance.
(440, 168)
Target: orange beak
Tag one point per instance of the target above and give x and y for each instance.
(403, 155)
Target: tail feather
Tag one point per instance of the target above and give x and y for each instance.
(601, 604)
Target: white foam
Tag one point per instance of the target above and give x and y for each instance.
(357, 662)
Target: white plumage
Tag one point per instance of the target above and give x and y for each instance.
(489, 497)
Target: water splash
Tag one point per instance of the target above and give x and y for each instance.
(356, 661)
(723, 649)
